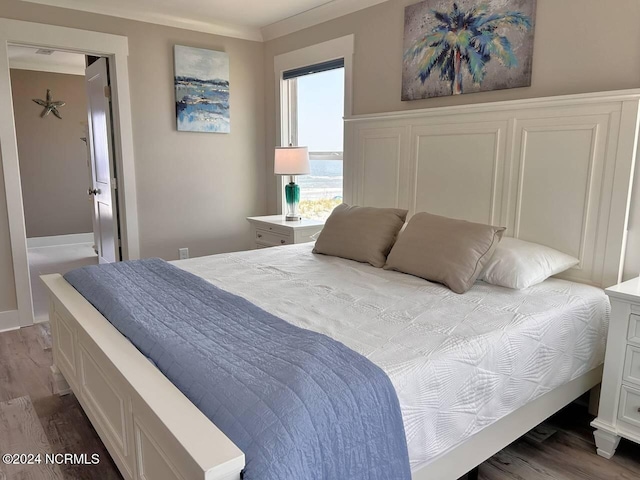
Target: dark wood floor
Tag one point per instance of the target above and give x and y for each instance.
(33, 419)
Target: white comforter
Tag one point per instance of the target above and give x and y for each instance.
(458, 362)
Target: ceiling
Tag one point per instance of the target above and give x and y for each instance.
(26, 58)
(250, 19)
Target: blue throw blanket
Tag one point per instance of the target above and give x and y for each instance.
(299, 404)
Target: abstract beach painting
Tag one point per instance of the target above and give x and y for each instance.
(202, 90)
(453, 47)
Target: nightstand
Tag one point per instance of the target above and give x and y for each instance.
(274, 230)
(619, 411)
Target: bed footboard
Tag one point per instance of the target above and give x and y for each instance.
(149, 427)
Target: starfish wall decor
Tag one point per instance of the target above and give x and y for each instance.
(49, 106)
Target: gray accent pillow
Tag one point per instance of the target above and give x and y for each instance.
(363, 234)
(444, 250)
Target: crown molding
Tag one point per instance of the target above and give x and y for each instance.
(226, 30)
(315, 16)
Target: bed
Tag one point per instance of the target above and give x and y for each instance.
(457, 362)
(473, 372)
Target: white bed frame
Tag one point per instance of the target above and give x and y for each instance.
(556, 171)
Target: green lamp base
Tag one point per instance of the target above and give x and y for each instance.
(292, 197)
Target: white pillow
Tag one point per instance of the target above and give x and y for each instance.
(519, 264)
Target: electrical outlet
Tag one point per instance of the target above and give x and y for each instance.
(184, 253)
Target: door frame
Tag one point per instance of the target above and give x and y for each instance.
(116, 48)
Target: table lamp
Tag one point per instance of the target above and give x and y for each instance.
(292, 161)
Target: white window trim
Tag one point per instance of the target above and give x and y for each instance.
(342, 47)
(326, 155)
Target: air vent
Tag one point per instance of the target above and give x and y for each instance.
(44, 51)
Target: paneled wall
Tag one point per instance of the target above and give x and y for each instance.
(555, 171)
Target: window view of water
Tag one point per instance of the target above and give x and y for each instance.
(321, 191)
(320, 107)
(325, 180)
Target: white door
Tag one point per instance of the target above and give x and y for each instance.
(103, 188)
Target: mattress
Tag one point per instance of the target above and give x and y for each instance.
(458, 362)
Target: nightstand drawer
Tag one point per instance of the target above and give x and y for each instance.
(279, 229)
(632, 365)
(275, 230)
(629, 410)
(266, 237)
(634, 328)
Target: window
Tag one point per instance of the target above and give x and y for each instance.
(316, 110)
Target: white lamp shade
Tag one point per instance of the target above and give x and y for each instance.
(291, 161)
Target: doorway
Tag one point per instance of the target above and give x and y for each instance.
(59, 145)
(114, 49)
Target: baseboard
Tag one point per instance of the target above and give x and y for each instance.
(41, 319)
(36, 242)
(60, 385)
(9, 320)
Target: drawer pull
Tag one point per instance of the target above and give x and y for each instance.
(638, 409)
(259, 235)
(282, 242)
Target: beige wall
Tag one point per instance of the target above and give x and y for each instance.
(580, 46)
(54, 169)
(194, 189)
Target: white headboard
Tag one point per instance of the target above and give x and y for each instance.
(556, 171)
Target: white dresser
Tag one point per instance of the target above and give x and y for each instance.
(619, 411)
(274, 230)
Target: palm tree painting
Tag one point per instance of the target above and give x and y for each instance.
(465, 46)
